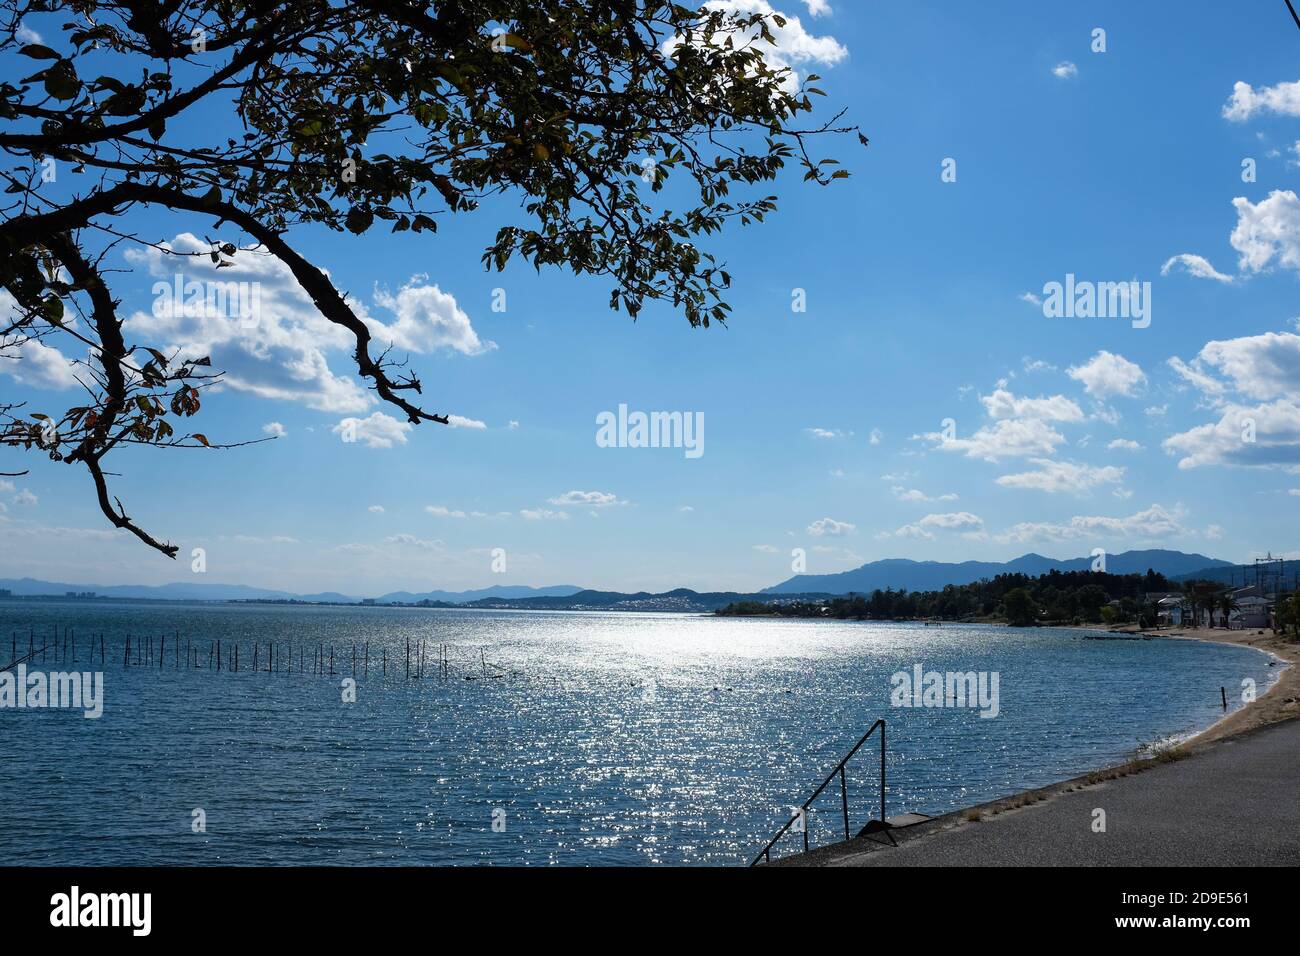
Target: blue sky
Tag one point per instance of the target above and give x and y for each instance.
(823, 428)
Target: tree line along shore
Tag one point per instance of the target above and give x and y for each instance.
(1069, 598)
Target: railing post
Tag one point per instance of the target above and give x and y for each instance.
(882, 771)
(844, 794)
(805, 829)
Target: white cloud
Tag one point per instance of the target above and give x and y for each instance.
(376, 509)
(377, 431)
(274, 429)
(795, 47)
(26, 498)
(1003, 404)
(1124, 444)
(876, 436)
(1007, 438)
(1195, 265)
(426, 319)
(817, 8)
(1267, 230)
(953, 521)
(411, 541)
(1246, 101)
(1107, 374)
(280, 346)
(25, 34)
(1155, 523)
(459, 421)
(827, 433)
(829, 526)
(442, 511)
(1262, 435)
(1031, 298)
(913, 494)
(1261, 367)
(765, 548)
(590, 499)
(1058, 476)
(30, 361)
(542, 514)
(911, 531)
(1065, 70)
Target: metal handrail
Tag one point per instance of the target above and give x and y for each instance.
(766, 853)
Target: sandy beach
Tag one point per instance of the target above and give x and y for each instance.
(1280, 702)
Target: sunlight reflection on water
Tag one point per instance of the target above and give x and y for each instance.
(611, 738)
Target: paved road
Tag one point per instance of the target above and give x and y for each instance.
(1234, 803)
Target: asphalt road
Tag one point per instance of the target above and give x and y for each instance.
(1234, 803)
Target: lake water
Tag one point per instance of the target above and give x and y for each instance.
(612, 739)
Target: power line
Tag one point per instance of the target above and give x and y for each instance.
(1293, 13)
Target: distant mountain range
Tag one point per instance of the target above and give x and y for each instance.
(187, 591)
(900, 573)
(896, 573)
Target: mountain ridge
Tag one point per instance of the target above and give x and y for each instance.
(905, 573)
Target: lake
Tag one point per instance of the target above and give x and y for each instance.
(608, 738)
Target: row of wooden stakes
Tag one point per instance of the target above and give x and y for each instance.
(276, 659)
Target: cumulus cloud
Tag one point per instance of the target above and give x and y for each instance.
(274, 342)
(427, 319)
(1065, 70)
(377, 431)
(795, 47)
(1262, 435)
(1261, 367)
(460, 421)
(1194, 265)
(411, 541)
(442, 511)
(1107, 374)
(913, 494)
(827, 433)
(1246, 101)
(31, 362)
(588, 499)
(274, 429)
(1057, 408)
(1124, 444)
(765, 548)
(830, 527)
(1153, 524)
(1058, 476)
(953, 521)
(1007, 438)
(376, 509)
(1268, 230)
